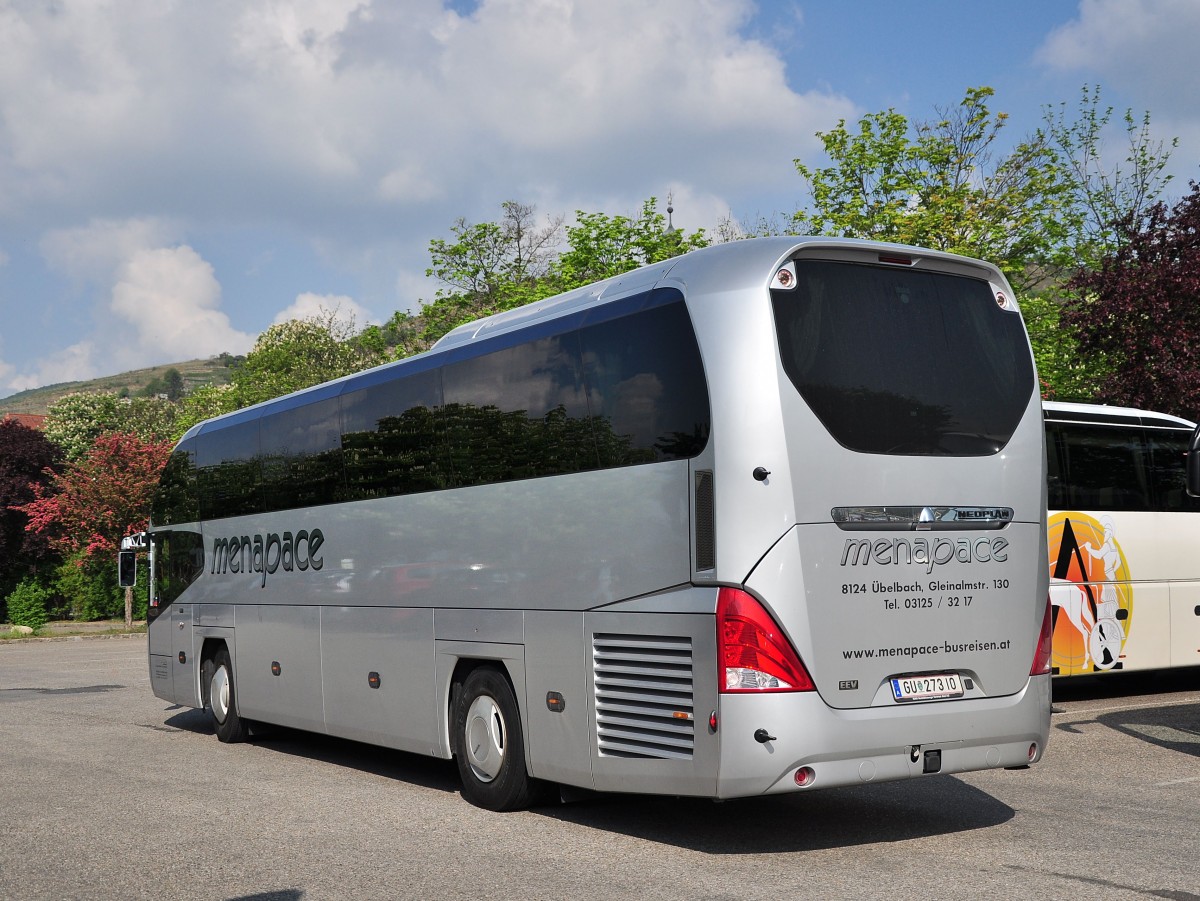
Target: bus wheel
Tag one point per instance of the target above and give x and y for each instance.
(218, 676)
(490, 748)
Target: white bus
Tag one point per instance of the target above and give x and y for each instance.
(766, 517)
(1124, 540)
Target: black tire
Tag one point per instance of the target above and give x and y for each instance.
(220, 698)
(489, 745)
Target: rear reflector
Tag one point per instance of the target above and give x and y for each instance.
(1041, 657)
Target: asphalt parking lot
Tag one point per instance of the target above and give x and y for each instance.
(109, 792)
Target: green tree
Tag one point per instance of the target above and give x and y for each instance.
(75, 421)
(496, 266)
(602, 246)
(300, 353)
(1112, 200)
(203, 403)
(945, 184)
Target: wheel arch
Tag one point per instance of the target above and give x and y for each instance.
(455, 661)
(208, 652)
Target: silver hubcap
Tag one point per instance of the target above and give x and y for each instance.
(485, 735)
(218, 694)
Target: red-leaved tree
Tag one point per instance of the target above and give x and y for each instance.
(92, 504)
(1141, 310)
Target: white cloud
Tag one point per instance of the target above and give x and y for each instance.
(171, 298)
(96, 251)
(74, 363)
(294, 108)
(363, 127)
(1144, 46)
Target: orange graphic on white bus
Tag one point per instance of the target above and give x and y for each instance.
(1091, 593)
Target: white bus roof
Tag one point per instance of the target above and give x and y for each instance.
(1116, 415)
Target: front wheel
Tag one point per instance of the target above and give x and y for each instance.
(489, 745)
(222, 699)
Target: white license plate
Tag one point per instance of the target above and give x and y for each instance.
(925, 688)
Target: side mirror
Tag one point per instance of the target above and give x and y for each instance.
(1193, 464)
(127, 568)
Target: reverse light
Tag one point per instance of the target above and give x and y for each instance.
(754, 654)
(1041, 657)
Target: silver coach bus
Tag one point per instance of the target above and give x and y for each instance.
(766, 517)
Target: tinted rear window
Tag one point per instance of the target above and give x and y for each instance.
(899, 361)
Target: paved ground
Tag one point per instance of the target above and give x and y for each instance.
(109, 792)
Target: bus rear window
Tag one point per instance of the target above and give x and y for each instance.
(899, 361)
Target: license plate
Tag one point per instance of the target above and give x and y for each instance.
(926, 688)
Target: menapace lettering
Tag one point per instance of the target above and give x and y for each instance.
(927, 552)
(267, 554)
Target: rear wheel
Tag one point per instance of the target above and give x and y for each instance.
(490, 746)
(222, 698)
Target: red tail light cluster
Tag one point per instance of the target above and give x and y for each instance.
(754, 653)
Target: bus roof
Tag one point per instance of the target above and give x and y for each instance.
(1104, 414)
(723, 266)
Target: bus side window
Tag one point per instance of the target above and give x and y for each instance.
(180, 561)
(1169, 452)
(1057, 497)
(1107, 468)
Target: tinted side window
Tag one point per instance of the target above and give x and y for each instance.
(614, 393)
(1104, 468)
(1168, 453)
(302, 456)
(175, 500)
(645, 385)
(518, 412)
(229, 475)
(179, 560)
(394, 439)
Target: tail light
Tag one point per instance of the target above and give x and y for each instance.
(754, 653)
(1041, 657)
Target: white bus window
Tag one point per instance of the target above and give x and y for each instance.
(1104, 468)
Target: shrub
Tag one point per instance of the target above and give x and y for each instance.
(92, 589)
(27, 604)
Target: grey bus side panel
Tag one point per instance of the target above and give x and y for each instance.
(289, 694)
(395, 709)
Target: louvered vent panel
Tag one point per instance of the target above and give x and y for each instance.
(644, 696)
(706, 527)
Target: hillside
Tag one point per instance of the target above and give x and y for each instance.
(214, 370)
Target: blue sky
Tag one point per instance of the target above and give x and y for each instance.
(174, 178)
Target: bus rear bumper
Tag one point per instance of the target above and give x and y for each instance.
(767, 739)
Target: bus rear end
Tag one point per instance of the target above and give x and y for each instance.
(879, 522)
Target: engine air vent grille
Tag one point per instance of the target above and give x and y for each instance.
(644, 703)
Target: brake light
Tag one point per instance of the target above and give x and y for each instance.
(1041, 657)
(753, 651)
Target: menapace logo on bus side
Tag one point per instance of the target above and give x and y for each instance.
(927, 552)
(1091, 593)
(267, 554)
